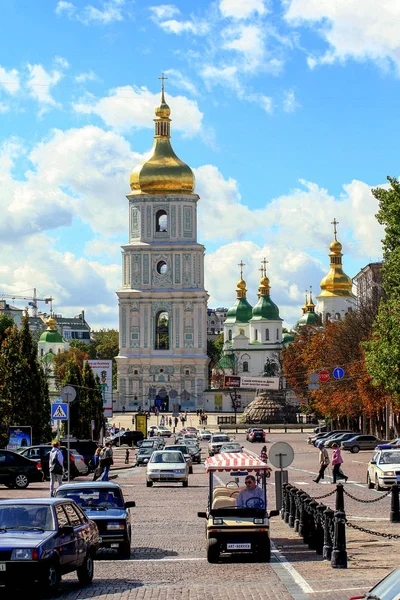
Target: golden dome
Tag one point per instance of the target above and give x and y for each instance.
(51, 323)
(336, 282)
(163, 172)
(241, 284)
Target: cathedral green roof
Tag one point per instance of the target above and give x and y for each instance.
(240, 312)
(287, 338)
(309, 318)
(51, 336)
(265, 309)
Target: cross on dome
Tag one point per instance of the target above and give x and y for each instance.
(241, 265)
(334, 223)
(162, 78)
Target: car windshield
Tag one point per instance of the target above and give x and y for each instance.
(30, 516)
(390, 458)
(230, 447)
(167, 457)
(182, 449)
(145, 450)
(147, 444)
(220, 438)
(94, 497)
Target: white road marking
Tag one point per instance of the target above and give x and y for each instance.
(155, 559)
(295, 575)
(337, 590)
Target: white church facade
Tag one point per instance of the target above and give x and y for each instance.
(162, 359)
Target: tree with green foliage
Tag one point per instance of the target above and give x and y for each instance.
(382, 351)
(5, 323)
(77, 417)
(107, 348)
(92, 403)
(89, 349)
(214, 353)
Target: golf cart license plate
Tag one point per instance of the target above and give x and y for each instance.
(2, 566)
(238, 546)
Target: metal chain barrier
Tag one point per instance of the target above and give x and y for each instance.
(389, 536)
(325, 495)
(366, 501)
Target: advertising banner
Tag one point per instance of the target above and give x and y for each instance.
(141, 423)
(19, 437)
(260, 383)
(103, 368)
(231, 381)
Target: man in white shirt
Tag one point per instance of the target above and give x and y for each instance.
(252, 496)
(56, 466)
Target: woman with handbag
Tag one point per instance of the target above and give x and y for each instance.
(323, 462)
(56, 466)
(337, 462)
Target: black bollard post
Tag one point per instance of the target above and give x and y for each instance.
(287, 503)
(395, 505)
(319, 533)
(328, 523)
(307, 519)
(339, 554)
(297, 513)
(283, 500)
(292, 506)
(312, 507)
(302, 515)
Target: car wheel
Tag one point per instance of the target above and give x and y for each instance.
(355, 449)
(51, 580)
(21, 481)
(185, 483)
(377, 486)
(212, 550)
(264, 550)
(86, 571)
(190, 470)
(369, 482)
(149, 483)
(125, 550)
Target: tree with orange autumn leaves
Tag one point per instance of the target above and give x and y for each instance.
(337, 344)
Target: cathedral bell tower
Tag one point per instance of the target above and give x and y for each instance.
(162, 359)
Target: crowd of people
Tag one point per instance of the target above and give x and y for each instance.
(324, 461)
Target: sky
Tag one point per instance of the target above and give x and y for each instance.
(286, 110)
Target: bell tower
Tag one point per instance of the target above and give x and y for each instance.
(162, 359)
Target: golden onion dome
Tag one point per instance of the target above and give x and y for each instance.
(163, 172)
(335, 246)
(241, 284)
(336, 282)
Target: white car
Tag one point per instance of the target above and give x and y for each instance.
(159, 430)
(204, 434)
(166, 466)
(384, 467)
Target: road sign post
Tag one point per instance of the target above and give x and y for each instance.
(338, 373)
(68, 393)
(323, 376)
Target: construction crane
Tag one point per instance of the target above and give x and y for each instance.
(33, 300)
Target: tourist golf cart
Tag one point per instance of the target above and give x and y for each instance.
(232, 529)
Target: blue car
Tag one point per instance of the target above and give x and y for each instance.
(42, 539)
(103, 503)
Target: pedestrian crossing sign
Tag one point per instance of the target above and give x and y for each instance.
(59, 411)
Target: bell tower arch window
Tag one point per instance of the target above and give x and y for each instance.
(162, 331)
(267, 335)
(161, 221)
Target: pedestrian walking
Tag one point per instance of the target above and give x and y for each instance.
(106, 460)
(176, 420)
(96, 464)
(127, 456)
(264, 454)
(323, 461)
(56, 467)
(337, 462)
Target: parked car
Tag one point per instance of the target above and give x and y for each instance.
(41, 453)
(338, 438)
(17, 471)
(43, 539)
(167, 466)
(103, 503)
(384, 467)
(186, 454)
(143, 456)
(86, 448)
(361, 442)
(158, 430)
(387, 589)
(231, 447)
(255, 434)
(315, 439)
(126, 437)
(217, 440)
(321, 429)
(204, 434)
(194, 450)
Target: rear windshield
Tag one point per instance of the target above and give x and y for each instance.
(220, 438)
(167, 457)
(94, 497)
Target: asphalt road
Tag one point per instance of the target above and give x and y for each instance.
(168, 559)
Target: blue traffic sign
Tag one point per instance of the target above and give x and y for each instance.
(338, 373)
(59, 411)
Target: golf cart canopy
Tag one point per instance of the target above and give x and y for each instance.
(228, 461)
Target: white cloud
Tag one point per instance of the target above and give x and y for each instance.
(249, 41)
(88, 76)
(4, 108)
(222, 75)
(242, 9)
(9, 80)
(110, 12)
(164, 11)
(130, 107)
(61, 62)
(289, 101)
(40, 83)
(180, 81)
(197, 27)
(367, 31)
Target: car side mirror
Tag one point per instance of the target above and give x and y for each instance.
(130, 504)
(202, 515)
(66, 530)
(273, 513)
